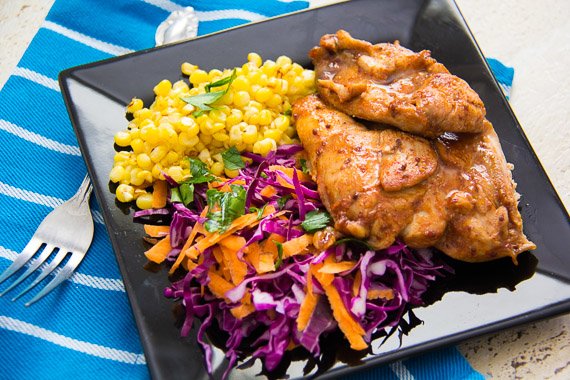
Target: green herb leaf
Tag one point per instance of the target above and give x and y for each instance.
(316, 220)
(204, 101)
(232, 159)
(304, 167)
(175, 195)
(281, 201)
(224, 207)
(186, 193)
(353, 240)
(288, 112)
(279, 254)
(199, 171)
(222, 82)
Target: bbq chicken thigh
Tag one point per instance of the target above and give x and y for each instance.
(455, 192)
(390, 84)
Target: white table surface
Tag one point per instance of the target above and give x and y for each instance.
(531, 36)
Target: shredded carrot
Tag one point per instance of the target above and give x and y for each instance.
(350, 327)
(209, 240)
(268, 191)
(387, 294)
(159, 192)
(270, 244)
(252, 253)
(218, 285)
(356, 284)
(306, 310)
(158, 252)
(339, 267)
(289, 172)
(236, 267)
(297, 245)
(242, 311)
(197, 227)
(156, 231)
(266, 263)
(233, 242)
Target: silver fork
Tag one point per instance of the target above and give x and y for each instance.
(66, 229)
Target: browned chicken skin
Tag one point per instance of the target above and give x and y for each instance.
(454, 193)
(390, 84)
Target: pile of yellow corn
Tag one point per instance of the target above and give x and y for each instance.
(253, 115)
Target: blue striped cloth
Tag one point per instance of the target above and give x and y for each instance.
(85, 329)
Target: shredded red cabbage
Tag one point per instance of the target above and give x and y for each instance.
(401, 274)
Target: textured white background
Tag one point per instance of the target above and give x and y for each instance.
(534, 38)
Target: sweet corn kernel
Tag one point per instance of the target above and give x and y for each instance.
(273, 134)
(158, 153)
(122, 138)
(117, 173)
(231, 173)
(281, 122)
(264, 146)
(204, 156)
(135, 105)
(217, 168)
(217, 116)
(241, 83)
(137, 145)
(163, 87)
(263, 94)
(220, 136)
(255, 59)
(144, 201)
(125, 193)
(283, 60)
(198, 76)
(188, 68)
(274, 101)
(144, 161)
(250, 134)
(264, 117)
(176, 173)
(241, 98)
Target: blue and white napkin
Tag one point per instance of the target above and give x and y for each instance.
(84, 329)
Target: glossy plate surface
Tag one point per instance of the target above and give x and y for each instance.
(479, 299)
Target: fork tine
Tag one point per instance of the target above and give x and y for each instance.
(27, 253)
(63, 275)
(33, 266)
(45, 272)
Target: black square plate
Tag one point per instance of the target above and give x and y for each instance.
(480, 299)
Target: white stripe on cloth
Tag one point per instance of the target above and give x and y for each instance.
(41, 199)
(73, 344)
(167, 5)
(222, 14)
(86, 40)
(401, 371)
(37, 78)
(39, 139)
(96, 282)
(229, 14)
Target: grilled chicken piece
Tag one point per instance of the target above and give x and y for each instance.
(390, 84)
(382, 184)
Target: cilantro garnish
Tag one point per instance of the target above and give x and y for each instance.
(232, 159)
(315, 220)
(224, 208)
(204, 101)
(279, 254)
(199, 172)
